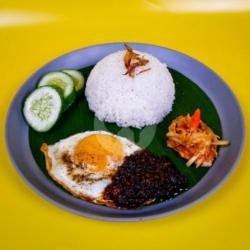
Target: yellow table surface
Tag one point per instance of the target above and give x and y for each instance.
(35, 32)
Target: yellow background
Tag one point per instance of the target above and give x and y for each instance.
(35, 32)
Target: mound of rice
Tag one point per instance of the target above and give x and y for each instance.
(137, 102)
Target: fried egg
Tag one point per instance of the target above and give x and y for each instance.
(85, 163)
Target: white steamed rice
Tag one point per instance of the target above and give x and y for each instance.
(137, 102)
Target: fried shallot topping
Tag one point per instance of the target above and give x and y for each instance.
(133, 60)
(194, 140)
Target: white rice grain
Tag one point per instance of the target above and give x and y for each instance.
(137, 102)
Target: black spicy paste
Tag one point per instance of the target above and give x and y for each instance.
(142, 179)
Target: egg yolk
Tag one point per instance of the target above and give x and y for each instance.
(98, 150)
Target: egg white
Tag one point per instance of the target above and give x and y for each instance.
(85, 189)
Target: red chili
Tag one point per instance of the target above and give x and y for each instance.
(195, 119)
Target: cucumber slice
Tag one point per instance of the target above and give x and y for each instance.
(63, 82)
(42, 108)
(77, 77)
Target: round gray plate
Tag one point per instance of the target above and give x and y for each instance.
(220, 94)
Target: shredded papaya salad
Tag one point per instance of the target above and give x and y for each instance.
(194, 140)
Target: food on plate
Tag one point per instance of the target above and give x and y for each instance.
(142, 179)
(194, 140)
(133, 60)
(63, 82)
(130, 88)
(84, 163)
(77, 78)
(42, 108)
(107, 169)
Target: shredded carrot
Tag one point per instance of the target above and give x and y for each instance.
(194, 140)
